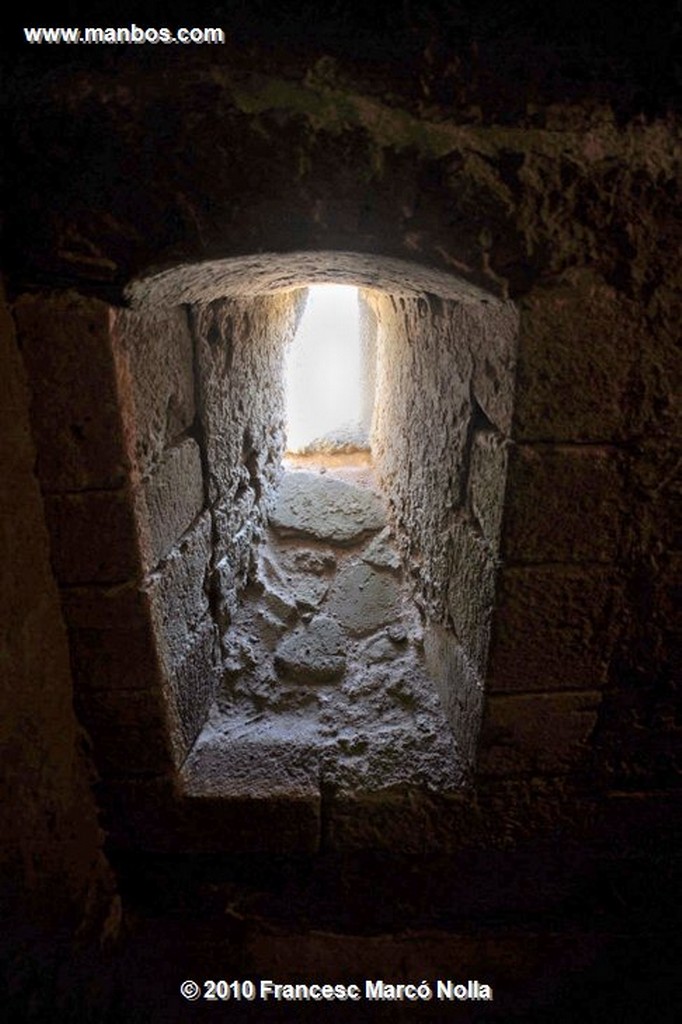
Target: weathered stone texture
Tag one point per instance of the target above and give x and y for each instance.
(94, 536)
(178, 589)
(555, 628)
(325, 509)
(409, 148)
(76, 412)
(170, 500)
(460, 687)
(363, 599)
(190, 684)
(314, 653)
(423, 407)
(240, 350)
(564, 504)
(489, 331)
(157, 347)
(54, 879)
(577, 348)
(487, 482)
(444, 406)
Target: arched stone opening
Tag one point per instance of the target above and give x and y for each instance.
(194, 371)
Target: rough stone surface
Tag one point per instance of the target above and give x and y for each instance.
(564, 504)
(381, 553)
(246, 793)
(591, 327)
(240, 349)
(487, 482)
(54, 878)
(325, 509)
(451, 364)
(77, 416)
(460, 687)
(178, 589)
(348, 681)
(191, 681)
(157, 347)
(556, 628)
(363, 599)
(313, 653)
(535, 154)
(171, 499)
(94, 536)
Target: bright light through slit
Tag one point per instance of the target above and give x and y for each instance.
(323, 372)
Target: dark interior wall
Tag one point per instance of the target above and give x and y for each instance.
(56, 888)
(537, 159)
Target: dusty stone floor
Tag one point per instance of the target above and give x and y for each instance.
(326, 685)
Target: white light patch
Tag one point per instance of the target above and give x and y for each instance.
(323, 372)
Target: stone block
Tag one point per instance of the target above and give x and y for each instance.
(192, 676)
(322, 508)
(487, 479)
(554, 628)
(178, 590)
(658, 345)
(563, 504)
(578, 339)
(76, 419)
(491, 333)
(381, 552)
(128, 730)
(170, 500)
(460, 689)
(240, 348)
(363, 599)
(93, 536)
(114, 659)
(250, 795)
(540, 734)
(314, 652)
(470, 591)
(157, 346)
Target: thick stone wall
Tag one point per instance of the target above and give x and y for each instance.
(240, 358)
(538, 157)
(56, 888)
(445, 385)
(121, 473)
(159, 436)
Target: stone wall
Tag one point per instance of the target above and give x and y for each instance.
(445, 385)
(534, 156)
(240, 358)
(159, 443)
(113, 409)
(56, 888)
